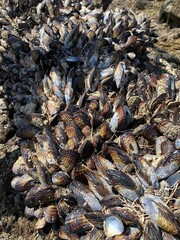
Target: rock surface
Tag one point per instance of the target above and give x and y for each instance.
(170, 12)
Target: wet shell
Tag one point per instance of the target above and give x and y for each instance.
(127, 186)
(68, 160)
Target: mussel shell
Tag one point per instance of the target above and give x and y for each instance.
(22, 183)
(160, 214)
(81, 119)
(76, 222)
(152, 231)
(105, 131)
(121, 119)
(128, 143)
(85, 149)
(68, 160)
(64, 206)
(50, 213)
(73, 143)
(84, 196)
(39, 195)
(60, 178)
(72, 131)
(19, 167)
(113, 226)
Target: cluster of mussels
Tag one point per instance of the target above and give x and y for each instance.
(99, 133)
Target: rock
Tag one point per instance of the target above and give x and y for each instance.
(170, 12)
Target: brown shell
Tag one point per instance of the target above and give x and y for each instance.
(81, 119)
(60, 134)
(66, 116)
(76, 222)
(105, 131)
(128, 143)
(93, 105)
(86, 131)
(39, 195)
(73, 143)
(64, 206)
(22, 183)
(50, 214)
(72, 130)
(150, 132)
(78, 173)
(85, 149)
(68, 160)
(60, 178)
(41, 222)
(119, 157)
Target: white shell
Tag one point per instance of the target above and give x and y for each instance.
(113, 226)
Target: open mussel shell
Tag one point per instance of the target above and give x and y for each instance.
(113, 226)
(160, 214)
(68, 160)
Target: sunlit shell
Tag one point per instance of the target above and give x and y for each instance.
(113, 226)
(160, 214)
